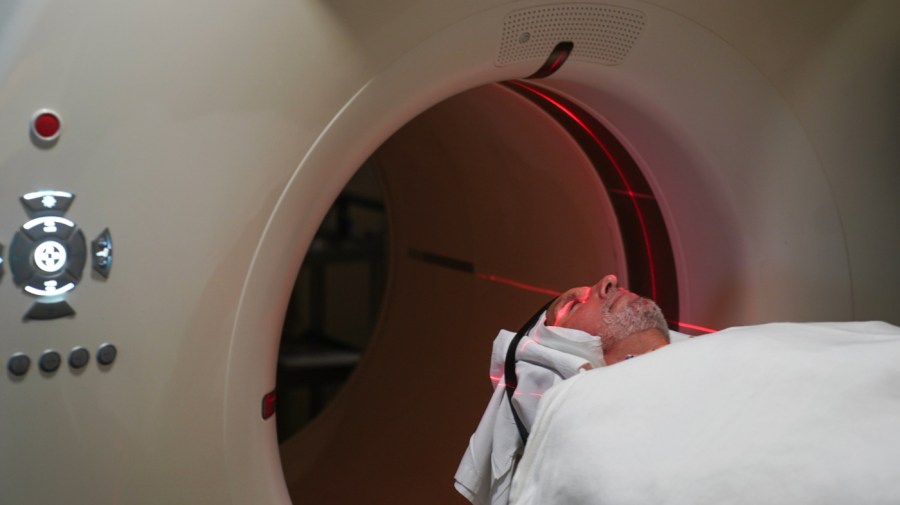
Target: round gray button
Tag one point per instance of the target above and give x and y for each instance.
(50, 361)
(18, 364)
(106, 354)
(79, 357)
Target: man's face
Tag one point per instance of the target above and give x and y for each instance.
(606, 310)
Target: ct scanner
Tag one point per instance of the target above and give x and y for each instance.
(735, 159)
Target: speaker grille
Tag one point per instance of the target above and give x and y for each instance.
(601, 33)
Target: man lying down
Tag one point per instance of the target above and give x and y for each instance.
(776, 413)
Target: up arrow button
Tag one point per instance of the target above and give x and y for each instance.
(47, 202)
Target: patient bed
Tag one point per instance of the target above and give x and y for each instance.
(777, 413)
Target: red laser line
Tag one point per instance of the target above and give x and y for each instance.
(695, 327)
(628, 192)
(517, 284)
(612, 160)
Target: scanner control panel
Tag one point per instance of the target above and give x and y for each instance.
(48, 254)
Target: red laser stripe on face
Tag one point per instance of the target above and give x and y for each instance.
(537, 289)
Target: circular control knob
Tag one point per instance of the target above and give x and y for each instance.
(47, 256)
(50, 256)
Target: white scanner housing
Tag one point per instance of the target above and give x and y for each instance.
(210, 138)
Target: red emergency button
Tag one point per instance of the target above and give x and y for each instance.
(46, 125)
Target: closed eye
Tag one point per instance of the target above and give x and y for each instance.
(567, 302)
(561, 313)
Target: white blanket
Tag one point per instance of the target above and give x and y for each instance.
(771, 414)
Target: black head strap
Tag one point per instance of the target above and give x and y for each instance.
(509, 372)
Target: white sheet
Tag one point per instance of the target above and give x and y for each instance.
(546, 357)
(779, 413)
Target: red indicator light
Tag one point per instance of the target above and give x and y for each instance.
(46, 125)
(269, 402)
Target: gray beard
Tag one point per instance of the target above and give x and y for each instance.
(640, 315)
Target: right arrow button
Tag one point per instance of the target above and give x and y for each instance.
(102, 253)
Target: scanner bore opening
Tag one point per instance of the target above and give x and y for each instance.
(496, 198)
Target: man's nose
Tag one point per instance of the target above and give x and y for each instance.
(607, 285)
